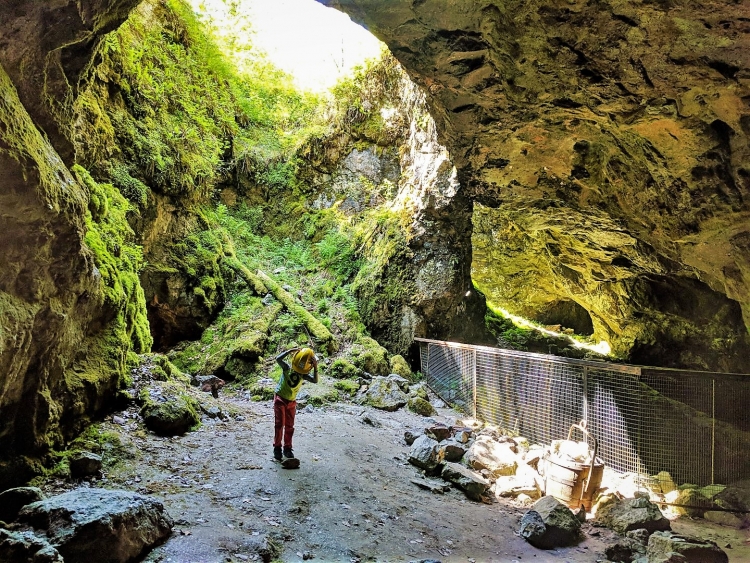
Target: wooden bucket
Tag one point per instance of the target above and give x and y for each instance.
(572, 483)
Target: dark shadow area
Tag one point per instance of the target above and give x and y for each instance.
(567, 314)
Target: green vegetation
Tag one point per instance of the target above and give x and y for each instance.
(118, 261)
(165, 109)
(164, 113)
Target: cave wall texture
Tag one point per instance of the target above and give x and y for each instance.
(605, 147)
(54, 374)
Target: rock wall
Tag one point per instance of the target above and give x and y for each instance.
(53, 309)
(608, 142)
(415, 280)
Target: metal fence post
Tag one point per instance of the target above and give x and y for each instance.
(474, 382)
(586, 394)
(713, 430)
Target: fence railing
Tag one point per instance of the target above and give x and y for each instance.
(693, 425)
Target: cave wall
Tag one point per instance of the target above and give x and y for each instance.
(607, 142)
(53, 311)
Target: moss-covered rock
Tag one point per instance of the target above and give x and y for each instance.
(399, 366)
(420, 406)
(168, 409)
(341, 368)
(369, 356)
(348, 386)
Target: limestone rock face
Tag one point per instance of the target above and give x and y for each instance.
(54, 372)
(608, 146)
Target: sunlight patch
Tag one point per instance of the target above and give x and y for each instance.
(315, 45)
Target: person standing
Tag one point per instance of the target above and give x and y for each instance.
(303, 360)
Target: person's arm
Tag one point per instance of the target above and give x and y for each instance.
(314, 377)
(280, 359)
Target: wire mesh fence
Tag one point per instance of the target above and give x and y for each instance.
(667, 427)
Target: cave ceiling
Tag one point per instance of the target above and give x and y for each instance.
(605, 145)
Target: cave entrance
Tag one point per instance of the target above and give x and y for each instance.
(314, 44)
(568, 314)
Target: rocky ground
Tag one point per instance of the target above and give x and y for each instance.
(351, 500)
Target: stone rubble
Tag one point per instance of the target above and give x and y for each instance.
(484, 463)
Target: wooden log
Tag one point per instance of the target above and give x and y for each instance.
(316, 328)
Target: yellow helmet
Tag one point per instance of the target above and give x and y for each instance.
(302, 362)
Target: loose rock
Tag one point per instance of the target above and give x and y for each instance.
(410, 436)
(80, 522)
(726, 518)
(662, 546)
(632, 514)
(26, 547)
(83, 464)
(470, 482)
(549, 524)
(453, 451)
(438, 431)
(384, 393)
(426, 453)
(430, 485)
(486, 453)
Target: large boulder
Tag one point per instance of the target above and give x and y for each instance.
(470, 482)
(13, 500)
(384, 393)
(498, 458)
(26, 547)
(632, 514)
(421, 406)
(169, 411)
(662, 547)
(99, 525)
(550, 524)
(426, 453)
(628, 549)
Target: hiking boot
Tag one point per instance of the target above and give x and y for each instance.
(288, 452)
(277, 453)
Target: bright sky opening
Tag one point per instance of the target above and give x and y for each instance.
(314, 44)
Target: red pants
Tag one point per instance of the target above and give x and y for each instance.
(283, 412)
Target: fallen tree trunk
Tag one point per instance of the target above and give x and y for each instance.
(251, 279)
(317, 329)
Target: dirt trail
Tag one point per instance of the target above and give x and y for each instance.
(350, 501)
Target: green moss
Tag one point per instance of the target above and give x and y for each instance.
(234, 343)
(331, 396)
(118, 261)
(400, 367)
(348, 386)
(369, 356)
(420, 406)
(343, 369)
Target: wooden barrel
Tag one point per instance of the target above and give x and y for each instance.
(569, 481)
